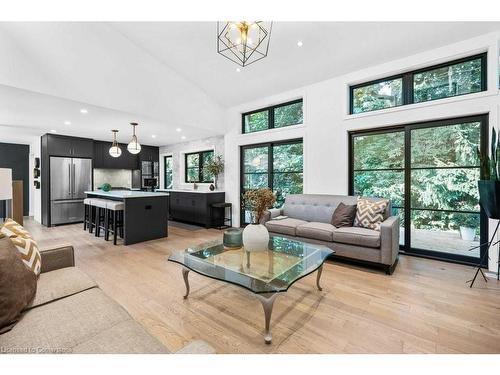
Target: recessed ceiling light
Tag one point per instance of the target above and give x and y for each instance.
(67, 122)
(238, 70)
(54, 131)
(84, 111)
(183, 137)
(299, 43)
(153, 136)
(178, 129)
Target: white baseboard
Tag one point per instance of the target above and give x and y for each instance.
(491, 275)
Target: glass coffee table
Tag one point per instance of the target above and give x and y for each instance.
(264, 273)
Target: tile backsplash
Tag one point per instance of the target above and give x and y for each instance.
(114, 177)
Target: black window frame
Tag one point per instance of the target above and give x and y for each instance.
(270, 116)
(200, 167)
(407, 128)
(270, 169)
(165, 170)
(407, 82)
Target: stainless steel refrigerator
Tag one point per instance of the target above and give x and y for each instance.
(69, 179)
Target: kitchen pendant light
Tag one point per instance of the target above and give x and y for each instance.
(134, 147)
(115, 151)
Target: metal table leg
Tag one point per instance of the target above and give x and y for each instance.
(267, 301)
(484, 257)
(318, 277)
(185, 273)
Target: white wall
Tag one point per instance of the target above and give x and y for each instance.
(13, 135)
(177, 151)
(327, 119)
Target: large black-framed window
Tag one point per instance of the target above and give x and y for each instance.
(429, 171)
(458, 77)
(194, 164)
(168, 174)
(276, 116)
(278, 166)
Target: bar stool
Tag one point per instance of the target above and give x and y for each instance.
(222, 219)
(87, 214)
(92, 212)
(100, 211)
(114, 216)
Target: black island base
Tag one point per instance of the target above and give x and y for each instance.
(145, 216)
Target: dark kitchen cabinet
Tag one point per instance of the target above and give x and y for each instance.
(102, 158)
(149, 164)
(149, 153)
(58, 145)
(193, 207)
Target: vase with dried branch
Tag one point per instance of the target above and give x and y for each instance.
(255, 235)
(215, 167)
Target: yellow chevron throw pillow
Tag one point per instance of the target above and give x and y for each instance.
(370, 214)
(25, 244)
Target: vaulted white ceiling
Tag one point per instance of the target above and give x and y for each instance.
(168, 75)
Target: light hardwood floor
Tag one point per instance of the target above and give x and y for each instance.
(424, 307)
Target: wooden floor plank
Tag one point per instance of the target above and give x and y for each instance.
(424, 307)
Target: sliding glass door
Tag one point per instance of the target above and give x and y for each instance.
(444, 170)
(378, 169)
(430, 172)
(278, 166)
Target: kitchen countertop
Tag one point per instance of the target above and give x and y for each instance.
(189, 191)
(125, 194)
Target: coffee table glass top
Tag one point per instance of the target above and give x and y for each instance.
(268, 271)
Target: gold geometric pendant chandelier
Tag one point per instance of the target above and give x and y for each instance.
(243, 42)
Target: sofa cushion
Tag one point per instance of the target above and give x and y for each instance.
(127, 337)
(357, 236)
(318, 231)
(65, 323)
(61, 283)
(370, 214)
(314, 207)
(343, 216)
(25, 244)
(320, 207)
(17, 285)
(284, 226)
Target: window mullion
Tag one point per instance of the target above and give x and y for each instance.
(200, 163)
(408, 88)
(270, 163)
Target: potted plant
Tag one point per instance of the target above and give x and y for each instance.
(215, 167)
(489, 186)
(255, 235)
(467, 225)
(105, 187)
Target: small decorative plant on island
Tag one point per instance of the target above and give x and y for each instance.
(255, 235)
(215, 167)
(106, 187)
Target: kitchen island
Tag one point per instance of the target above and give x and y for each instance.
(145, 216)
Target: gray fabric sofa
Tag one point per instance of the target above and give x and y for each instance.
(70, 314)
(309, 218)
